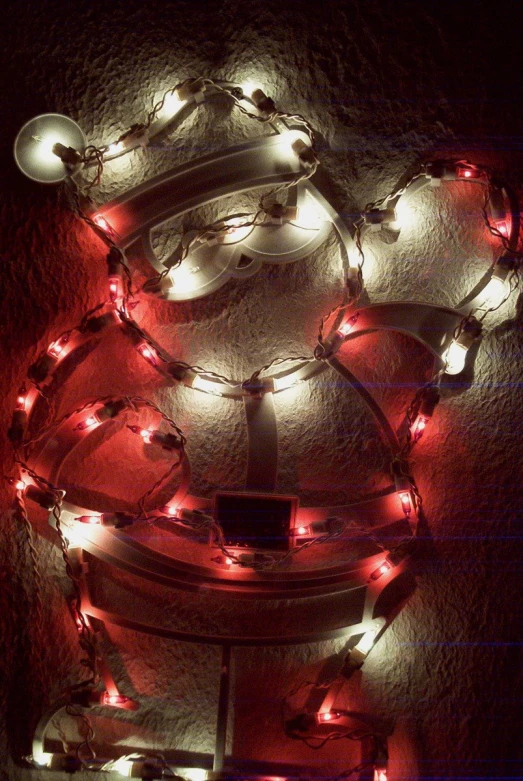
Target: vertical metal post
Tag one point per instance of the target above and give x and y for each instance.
(223, 709)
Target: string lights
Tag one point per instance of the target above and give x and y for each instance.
(294, 209)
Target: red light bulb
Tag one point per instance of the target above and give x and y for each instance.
(501, 226)
(55, 348)
(148, 353)
(302, 530)
(405, 503)
(102, 223)
(90, 519)
(346, 327)
(113, 699)
(20, 485)
(380, 774)
(327, 716)
(228, 561)
(382, 569)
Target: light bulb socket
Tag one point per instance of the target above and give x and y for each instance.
(99, 322)
(40, 369)
(110, 410)
(114, 262)
(377, 218)
(429, 401)
(46, 499)
(16, 430)
(69, 156)
(354, 282)
(469, 333)
(264, 104)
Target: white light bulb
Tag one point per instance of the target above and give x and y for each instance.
(367, 641)
(282, 383)
(42, 758)
(171, 105)
(455, 358)
(194, 773)
(200, 383)
(369, 638)
(290, 136)
(122, 766)
(184, 278)
(493, 294)
(310, 214)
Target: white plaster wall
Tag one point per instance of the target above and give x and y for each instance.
(385, 85)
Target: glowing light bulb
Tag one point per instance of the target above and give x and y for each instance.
(405, 502)
(209, 386)
(327, 716)
(380, 774)
(113, 699)
(455, 358)
(90, 519)
(171, 105)
(183, 278)
(89, 422)
(146, 435)
(228, 561)
(346, 327)
(122, 766)
(248, 87)
(367, 641)
(302, 530)
(282, 383)
(102, 223)
(147, 352)
(42, 758)
(194, 774)
(382, 570)
(116, 148)
(20, 485)
(419, 426)
(56, 348)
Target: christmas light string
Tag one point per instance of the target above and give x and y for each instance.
(502, 224)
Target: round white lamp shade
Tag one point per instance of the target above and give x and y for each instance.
(34, 146)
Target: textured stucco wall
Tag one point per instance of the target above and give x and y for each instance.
(385, 85)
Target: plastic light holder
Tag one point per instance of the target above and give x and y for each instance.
(33, 148)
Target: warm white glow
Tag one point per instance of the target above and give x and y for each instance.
(455, 358)
(494, 292)
(290, 136)
(194, 773)
(282, 383)
(310, 214)
(209, 386)
(42, 758)
(183, 279)
(44, 149)
(122, 766)
(171, 106)
(248, 87)
(369, 638)
(116, 148)
(405, 215)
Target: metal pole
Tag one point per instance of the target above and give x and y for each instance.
(223, 709)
